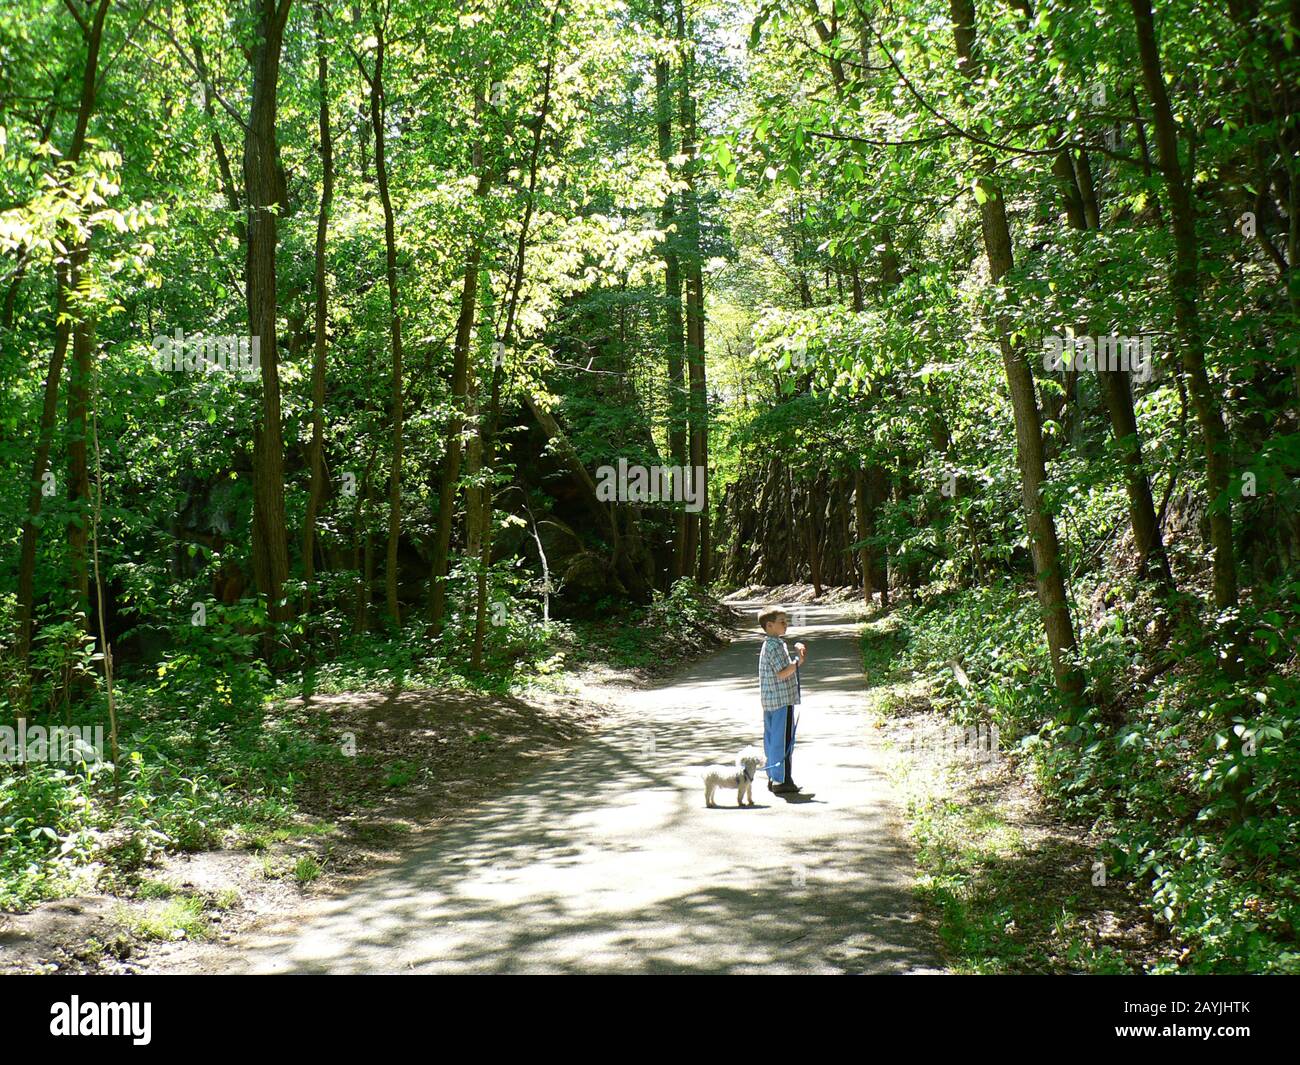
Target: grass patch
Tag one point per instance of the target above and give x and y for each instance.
(1005, 906)
(179, 917)
(305, 870)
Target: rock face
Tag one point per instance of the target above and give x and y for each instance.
(582, 568)
(592, 549)
(783, 531)
(560, 542)
(588, 578)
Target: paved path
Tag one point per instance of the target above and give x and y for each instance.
(608, 860)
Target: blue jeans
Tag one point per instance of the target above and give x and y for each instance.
(778, 742)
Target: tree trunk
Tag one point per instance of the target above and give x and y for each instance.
(362, 551)
(813, 525)
(68, 276)
(860, 513)
(1045, 546)
(1141, 508)
(877, 493)
(79, 468)
(673, 329)
(317, 487)
(377, 116)
(1184, 283)
(218, 146)
(698, 539)
(478, 497)
(459, 388)
(1087, 191)
(1117, 393)
(264, 189)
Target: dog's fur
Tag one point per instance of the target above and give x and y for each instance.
(739, 776)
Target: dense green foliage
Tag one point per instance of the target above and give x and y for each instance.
(220, 749)
(821, 252)
(1203, 831)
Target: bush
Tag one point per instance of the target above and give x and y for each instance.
(1191, 772)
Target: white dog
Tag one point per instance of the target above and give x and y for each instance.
(739, 776)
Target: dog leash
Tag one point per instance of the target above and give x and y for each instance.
(794, 728)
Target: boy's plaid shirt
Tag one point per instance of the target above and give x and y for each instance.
(773, 657)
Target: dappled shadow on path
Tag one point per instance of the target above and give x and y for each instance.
(608, 860)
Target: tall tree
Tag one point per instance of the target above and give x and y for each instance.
(68, 273)
(674, 331)
(80, 373)
(316, 489)
(698, 551)
(449, 480)
(264, 187)
(375, 83)
(1184, 282)
(1044, 543)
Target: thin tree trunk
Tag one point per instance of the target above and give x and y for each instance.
(68, 276)
(1087, 190)
(377, 116)
(1142, 513)
(218, 146)
(813, 527)
(863, 531)
(317, 487)
(459, 387)
(478, 498)
(106, 648)
(698, 539)
(1184, 283)
(362, 551)
(875, 475)
(673, 328)
(877, 493)
(264, 189)
(1063, 171)
(78, 468)
(1045, 546)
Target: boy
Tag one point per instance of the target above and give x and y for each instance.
(778, 683)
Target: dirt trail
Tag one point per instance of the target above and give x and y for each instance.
(608, 861)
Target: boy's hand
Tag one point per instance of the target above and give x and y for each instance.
(803, 651)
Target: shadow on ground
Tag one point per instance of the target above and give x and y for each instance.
(607, 859)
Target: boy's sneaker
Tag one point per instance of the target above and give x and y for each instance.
(788, 788)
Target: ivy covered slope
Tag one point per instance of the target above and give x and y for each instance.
(463, 345)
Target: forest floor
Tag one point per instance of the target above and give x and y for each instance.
(602, 856)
